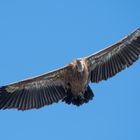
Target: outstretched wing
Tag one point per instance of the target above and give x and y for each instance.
(35, 92)
(115, 58)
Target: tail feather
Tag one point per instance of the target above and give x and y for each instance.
(79, 100)
(88, 95)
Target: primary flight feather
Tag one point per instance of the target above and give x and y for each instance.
(71, 83)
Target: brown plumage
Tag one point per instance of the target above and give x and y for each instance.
(71, 83)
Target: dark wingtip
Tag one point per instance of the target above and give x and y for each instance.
(3, 95)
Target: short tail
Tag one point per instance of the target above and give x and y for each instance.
(79, 100)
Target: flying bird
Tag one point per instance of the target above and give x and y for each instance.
(70, 83)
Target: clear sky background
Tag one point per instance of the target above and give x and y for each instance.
(40, 35)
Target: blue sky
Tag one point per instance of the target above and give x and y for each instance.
(38, 36)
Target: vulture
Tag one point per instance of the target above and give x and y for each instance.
(70, 84)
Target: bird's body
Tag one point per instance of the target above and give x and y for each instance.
(78, 77)
(71, 83)
(77, 87)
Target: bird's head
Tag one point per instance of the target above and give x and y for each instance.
(79, 65)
